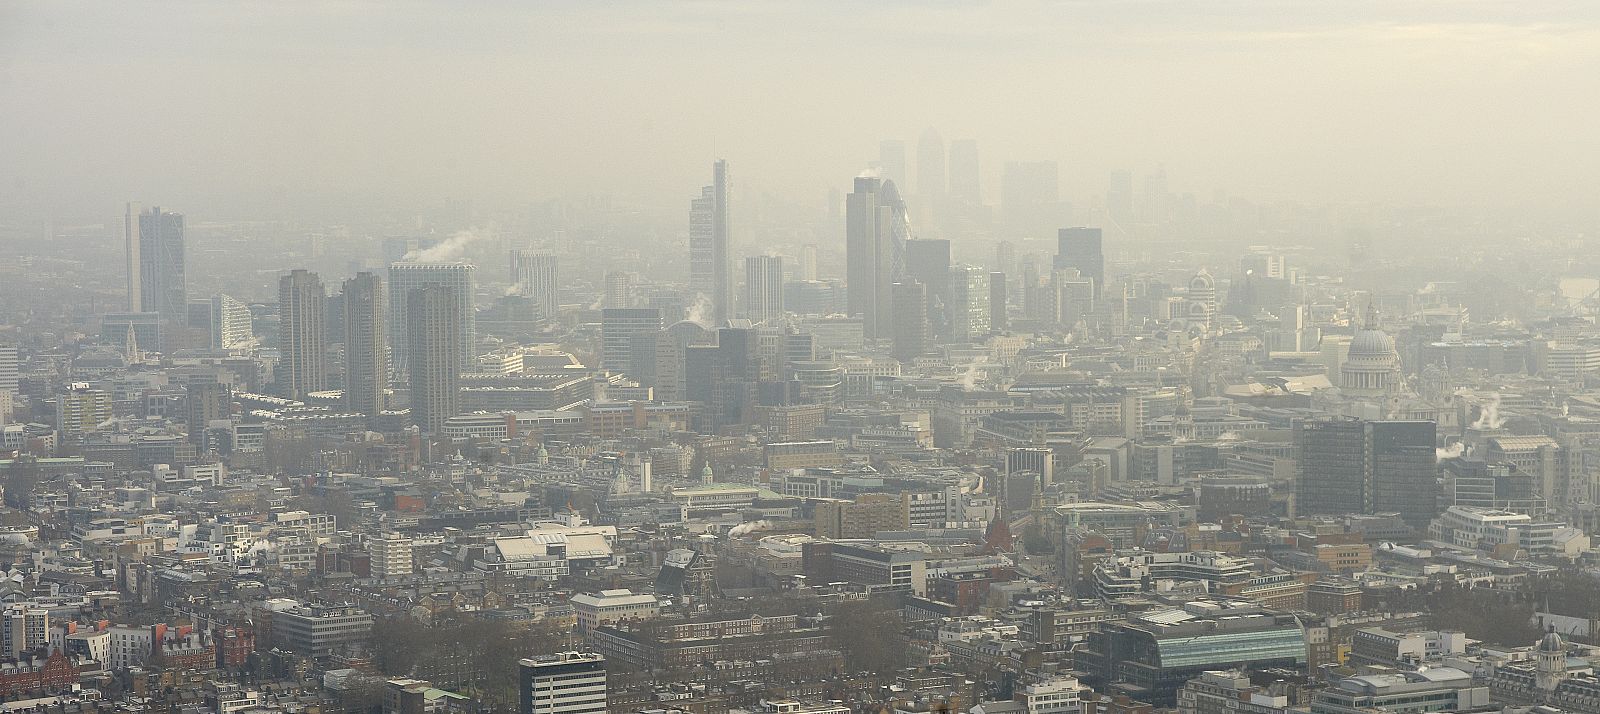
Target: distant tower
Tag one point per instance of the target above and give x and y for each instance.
(162, 288)
(130, 248)
(618, 329)
(366, 345)
(876, 229)
(459, 278)
(910, 320)
(969, 304)
(710, 244)
(302, 334)
(1202, 298)
(808, 261)
(1081, 249)
(763, 287)
(536, 276)
(433, 317)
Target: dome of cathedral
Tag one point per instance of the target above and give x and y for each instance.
(1551, 643)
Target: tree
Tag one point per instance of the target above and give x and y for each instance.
(871, 636)
(22, 476)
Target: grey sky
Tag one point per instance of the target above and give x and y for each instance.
(1458, 103)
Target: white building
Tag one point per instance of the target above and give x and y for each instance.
(1055, 695)
(609, 607)
(391, 556)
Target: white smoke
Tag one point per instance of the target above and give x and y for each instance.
(1489, 415)
(750, 527)
(700, 311)
(449, 249)
(969, 377)
(1451, 451)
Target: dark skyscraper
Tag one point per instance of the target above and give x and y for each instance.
(876, 229)
(910, 320)
(1403, 466)
(207, 400)
(1332, 475)
(928, 262)
(366, 345)
(302, 334)
(618, 328)
(1081, 249)
(433, 328)
(710, 245)
(161, 284)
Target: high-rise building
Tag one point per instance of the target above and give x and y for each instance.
(910, 320)
(891, 162)
(433, 329)
(1080, 249)
(1119, 198)
(1348, 465)
(536, 276)
(81, 409)
(876, 229)
(618, 289)
(710, 257)
(997, 300)
(930, 166)
(161, 284)
(10, 376)
(928, 262)
(808, 261)
(460, 279)
(206, 401)
(391, 555)
(566, 683)
(302, 334)
(131, 263)
(366, 345)
(969, 304)
(231, 323)
(763, 287)
(618, 326)
(964, 184)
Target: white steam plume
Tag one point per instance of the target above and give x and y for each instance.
(750, 527)
(447, 250)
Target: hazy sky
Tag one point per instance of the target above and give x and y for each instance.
(189, 103)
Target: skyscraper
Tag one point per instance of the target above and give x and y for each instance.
(566, 683)
(930, 167)
(207, 400)
(763, 287)
(161, 284)
(618, 326)
(1080, 249)
(969, 304)
(808, 261)
(302, 334)
(928, 262)
(459, 278)
(131, 263)
(366, 345)
(618, 289)
(231, 323)
(433, 329)
(964, 183)
(892, 161)
(536, 275)
(710, 259)
(910, 320)
(876, 229)
(997, 300)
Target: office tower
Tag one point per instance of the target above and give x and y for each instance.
(231, 323)
(1034, 460)
(892, 161)
(964, 185)
(672, 345)
(162, 289)
(535, 275)
(302, 334)
(1119, 199)
(1072, 298)
(10, 375)
(131, 264)
(81, 409)
(710, 257)
(391, 555)
(434, 357)
(997, 301)
(618, 325)
(459, 278)
(1005, 257)
(930, 167)
(969, 304)
(206, 401)
(910, 320)
(1030, 196)
(808, 261)
(566, 683)
(366, 345)
(1080, 249)
(876, 229)
(763, 287)
(928, 262)
(618, 289)
(1352, 466)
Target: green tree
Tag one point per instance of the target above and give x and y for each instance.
(871, 636)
